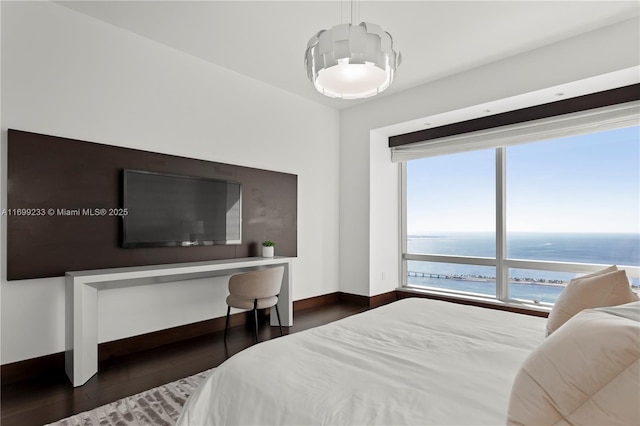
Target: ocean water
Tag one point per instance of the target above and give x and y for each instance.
(543, 286)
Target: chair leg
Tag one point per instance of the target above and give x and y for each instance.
(279, 322)
(255, 317)
(226, 323)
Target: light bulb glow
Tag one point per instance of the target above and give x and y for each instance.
(352, 80)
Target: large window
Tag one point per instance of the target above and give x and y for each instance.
(518, 222)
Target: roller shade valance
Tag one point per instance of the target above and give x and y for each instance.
(589, 121)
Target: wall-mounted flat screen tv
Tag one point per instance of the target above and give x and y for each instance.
(164, 210)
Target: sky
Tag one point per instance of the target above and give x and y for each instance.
(586, 183)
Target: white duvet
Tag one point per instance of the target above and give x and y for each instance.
(415, 361)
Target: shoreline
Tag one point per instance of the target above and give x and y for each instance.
(481, 278)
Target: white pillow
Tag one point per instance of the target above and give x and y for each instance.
(586, 373)
(628, 310)
(608, 287)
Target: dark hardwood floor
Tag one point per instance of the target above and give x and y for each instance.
(52, 397)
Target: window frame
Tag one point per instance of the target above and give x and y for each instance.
(501, 262)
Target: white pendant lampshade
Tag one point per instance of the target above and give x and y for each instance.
(351, 61)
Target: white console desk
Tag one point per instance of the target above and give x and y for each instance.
(82, 288)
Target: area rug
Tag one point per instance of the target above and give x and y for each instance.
(158, 406)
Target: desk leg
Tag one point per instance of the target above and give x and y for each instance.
(81, 328)
(285, 302)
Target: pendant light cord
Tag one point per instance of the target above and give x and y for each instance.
(353, 8)
(354, 12)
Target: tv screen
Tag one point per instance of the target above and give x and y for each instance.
(170, 210)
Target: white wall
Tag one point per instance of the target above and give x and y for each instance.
(384, 216)
(365, 203)
(69, 75)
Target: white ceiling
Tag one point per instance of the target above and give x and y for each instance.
(266, 40)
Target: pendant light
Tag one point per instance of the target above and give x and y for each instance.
(352, 61)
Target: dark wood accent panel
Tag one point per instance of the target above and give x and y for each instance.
(49, 172)
(406, 294)
(579, 103)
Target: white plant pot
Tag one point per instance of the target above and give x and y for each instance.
(267, 251)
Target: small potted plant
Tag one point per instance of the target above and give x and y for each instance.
(267, 248)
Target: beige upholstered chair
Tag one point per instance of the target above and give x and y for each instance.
(255, 290)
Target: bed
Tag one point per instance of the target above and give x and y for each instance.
(414, 361)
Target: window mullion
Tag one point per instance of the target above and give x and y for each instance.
(502, 274)
(403, 223)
